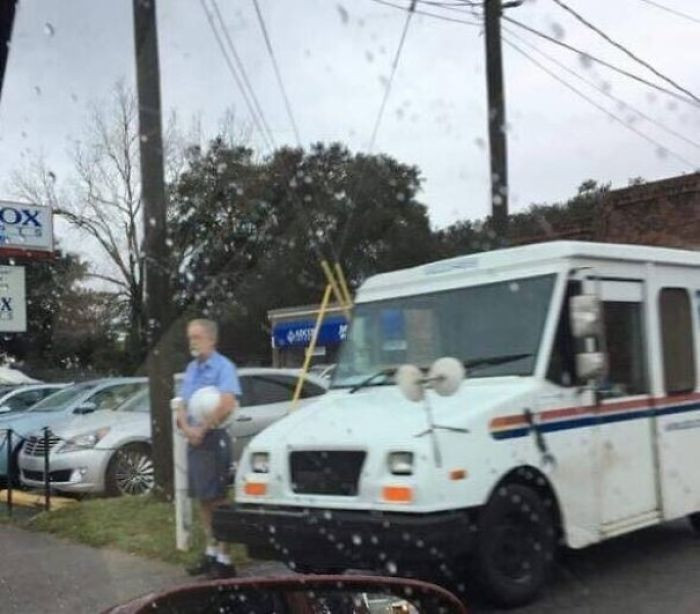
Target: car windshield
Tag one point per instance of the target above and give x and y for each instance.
(399, 287)
(58, 401)
(474, 325)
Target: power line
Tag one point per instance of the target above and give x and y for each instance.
(604, 91)
(457, 7)
(597, 60)
(390, 83)
(278, 74)
(601, 108)
(236, 78)
(242, 70)
(673, 11)
(580, 18)
(427, 13)
(387, 91)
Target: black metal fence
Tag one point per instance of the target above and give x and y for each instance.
(13, 471)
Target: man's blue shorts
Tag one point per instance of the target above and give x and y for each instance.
(209, 466)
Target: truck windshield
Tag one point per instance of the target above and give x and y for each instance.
(478, 325)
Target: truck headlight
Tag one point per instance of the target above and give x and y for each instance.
(401, 463)
(260, 462)
(83, 442)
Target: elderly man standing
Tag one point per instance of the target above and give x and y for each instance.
(209, 454)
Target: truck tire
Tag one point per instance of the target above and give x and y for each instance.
(516, 543)
(130, 471)
(694, 520)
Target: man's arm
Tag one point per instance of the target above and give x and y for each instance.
(230, 387)
(226, 407)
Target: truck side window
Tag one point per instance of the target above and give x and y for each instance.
(624, 333)
(562, 365)
(677, 340)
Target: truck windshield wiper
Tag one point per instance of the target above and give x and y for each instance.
(367, 381)
(490, 361)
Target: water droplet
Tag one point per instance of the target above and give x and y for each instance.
(392, 568)
(49, 30)
(557, 30)
(357, 540)
(586, 60)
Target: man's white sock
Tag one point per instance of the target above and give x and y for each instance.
(224, 559)
(212, 551)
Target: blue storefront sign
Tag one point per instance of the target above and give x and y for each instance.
(298, 333)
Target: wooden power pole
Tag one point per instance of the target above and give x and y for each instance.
(496, 118)
(7, 20)
(154, 219)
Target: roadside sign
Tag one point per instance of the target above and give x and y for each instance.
(13, 300)
(25, 228)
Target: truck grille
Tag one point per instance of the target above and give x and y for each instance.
(34, 446)
(326, 473)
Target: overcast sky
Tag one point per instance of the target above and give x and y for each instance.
(333, 56)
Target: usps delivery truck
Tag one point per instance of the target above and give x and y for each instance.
(485, 410)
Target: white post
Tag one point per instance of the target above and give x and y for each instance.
(183, 504)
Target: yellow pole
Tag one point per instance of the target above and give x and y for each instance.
(343, 284)
(312, 345)
(336, 289)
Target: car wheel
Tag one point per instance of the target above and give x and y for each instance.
(694, 520)
(130, 471)
(516, 543)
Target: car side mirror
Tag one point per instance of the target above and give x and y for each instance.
(301, 594)
(586, 316)
(85, 408)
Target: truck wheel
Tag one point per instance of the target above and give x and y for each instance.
(694, 520)
(516, 544)
(130, 471)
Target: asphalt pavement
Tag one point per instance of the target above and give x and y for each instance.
(655, 570)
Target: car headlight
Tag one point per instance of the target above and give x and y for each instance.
(401, 463)
(260, 462)
(83, 442)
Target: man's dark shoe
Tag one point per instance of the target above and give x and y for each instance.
(221, 571)
(203, 566)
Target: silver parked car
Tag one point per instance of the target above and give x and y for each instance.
(20, 398)
(110, 451)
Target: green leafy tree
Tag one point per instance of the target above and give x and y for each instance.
(248, 234)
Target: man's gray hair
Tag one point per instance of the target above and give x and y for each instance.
(210, 326)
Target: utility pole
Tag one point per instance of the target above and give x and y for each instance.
(497, 116)
(154, 220)
(7, 20)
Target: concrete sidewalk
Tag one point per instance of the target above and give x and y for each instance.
(41, 573)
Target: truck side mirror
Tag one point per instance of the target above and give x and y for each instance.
(591, 365)
(586, 316)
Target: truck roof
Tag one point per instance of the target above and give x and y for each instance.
(523, 257)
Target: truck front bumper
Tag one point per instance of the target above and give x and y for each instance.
(334, 540)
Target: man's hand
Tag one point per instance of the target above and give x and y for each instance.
(195, 435)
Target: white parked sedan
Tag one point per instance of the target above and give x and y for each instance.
(109, 451)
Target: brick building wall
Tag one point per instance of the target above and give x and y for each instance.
(663, 213)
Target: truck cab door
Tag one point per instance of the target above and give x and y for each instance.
(624, 412)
